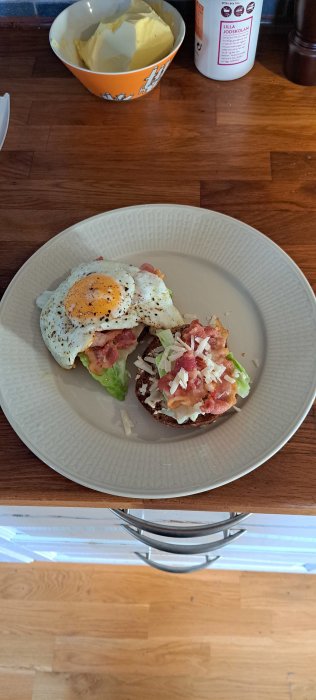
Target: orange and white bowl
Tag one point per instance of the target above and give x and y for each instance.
(80, 20)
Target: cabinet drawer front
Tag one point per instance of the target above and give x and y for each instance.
(257, 521)
(89, 533)
(106, 551)
(271, 542)
(75, 520)
(237, 563)
(81, 519)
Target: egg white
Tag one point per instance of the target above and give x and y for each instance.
(144, 299)
(153, 302)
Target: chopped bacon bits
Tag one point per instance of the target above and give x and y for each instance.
(104, 351)
(102, 358)
(216, 396)
(186, 361)
(125, 339)
(217, 334)
(147, 267)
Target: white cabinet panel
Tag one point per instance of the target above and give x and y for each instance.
(90, 552)
(270, 543)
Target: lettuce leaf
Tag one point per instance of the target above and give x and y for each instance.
(161, 371)
(114, 379)
(243, 381)
(166, 338)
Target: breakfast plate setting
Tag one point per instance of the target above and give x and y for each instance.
(216, 267)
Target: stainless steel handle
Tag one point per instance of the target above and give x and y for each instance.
(185, 548)
(185, 531)
(176, 569)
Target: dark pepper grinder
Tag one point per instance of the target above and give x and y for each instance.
(300, 59)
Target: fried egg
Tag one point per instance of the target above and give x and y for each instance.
(99, 296)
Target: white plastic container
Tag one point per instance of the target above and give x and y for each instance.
(226, 35)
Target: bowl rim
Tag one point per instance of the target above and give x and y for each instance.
(177, 44)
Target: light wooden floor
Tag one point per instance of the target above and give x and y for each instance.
(119, 633)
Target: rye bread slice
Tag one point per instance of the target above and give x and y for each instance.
(142, 378)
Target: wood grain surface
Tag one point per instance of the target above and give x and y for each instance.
(215, 634)
(245, 148)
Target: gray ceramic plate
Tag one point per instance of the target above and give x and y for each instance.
(214, 264)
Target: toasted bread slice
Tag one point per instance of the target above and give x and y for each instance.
(142, 379)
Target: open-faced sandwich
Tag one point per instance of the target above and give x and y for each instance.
(189, 377)
(98, 314)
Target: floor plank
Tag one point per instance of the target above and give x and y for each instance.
(27, 651)
(58, 686)
(198, 621)
(71, 583)
(277, 591)
(72, 632)
(157, 657)
(16, 685)
(95, 619)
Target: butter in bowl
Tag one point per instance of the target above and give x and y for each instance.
(118, 49)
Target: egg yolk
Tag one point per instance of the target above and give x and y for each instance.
(93, 297)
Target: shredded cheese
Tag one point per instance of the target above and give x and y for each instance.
(155, 395)
(217, 370)
(212, 374)
(181, 379)
(183, 413)
(176, 354)
(183, 343)
(141, 364)
(142, 390)
(203, 345)
(229, 379)
(171, 354)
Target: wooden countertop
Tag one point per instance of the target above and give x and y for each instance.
(245, 148)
